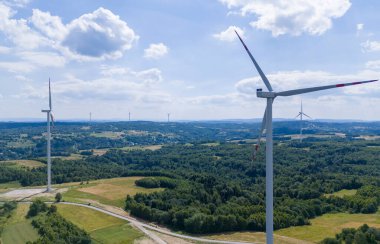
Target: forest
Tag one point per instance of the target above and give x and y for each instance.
(211, 182)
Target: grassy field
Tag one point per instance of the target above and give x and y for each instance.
(101, 227)
(31, 164)
(328, 225)
(150, 147)
(343, 193)
(321, 227)
(107, 191)
(6, 186)
(19, 229)
(108, 134)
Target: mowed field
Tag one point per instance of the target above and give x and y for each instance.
(31, 164)
(107, 191)
(18, 229)
(101, 227)
(320, 228)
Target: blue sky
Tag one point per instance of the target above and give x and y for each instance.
(155, 57)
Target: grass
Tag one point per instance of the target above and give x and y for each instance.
(101, 227)
(6, 186)
(19, 229)
(107, 191)
(328, 225)
(31, 164)
(343, 193)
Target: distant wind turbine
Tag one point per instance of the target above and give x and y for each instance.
(168, 117)
(49, 116)
(90, 117)
(301, 114)
(270, 95)
(129, 116)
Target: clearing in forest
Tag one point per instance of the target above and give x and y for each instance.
(31, 164)
(107, 191)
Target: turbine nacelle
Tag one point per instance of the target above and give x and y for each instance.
(263, 94)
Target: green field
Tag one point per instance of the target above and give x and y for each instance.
(108, 134)
(18, 229)
(108, 191)
(6, 186)
(101, 227)
(343, 193)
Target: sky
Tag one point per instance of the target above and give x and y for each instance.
(154, 57)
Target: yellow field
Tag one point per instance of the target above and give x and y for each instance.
(31, 164)
(108, 191)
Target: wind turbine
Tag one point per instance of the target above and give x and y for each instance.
(168, 117)
(49, 116)
(129, 116)
(301, 114)
(270, 95)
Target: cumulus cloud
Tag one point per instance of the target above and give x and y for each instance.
(229, 35)
(371, 46)
(17, 67)
(18, 31)
(42, 59)
(155, 51)
(16, 3)
(93, 36)
(359, 27)
(100, 34)
(281, 17)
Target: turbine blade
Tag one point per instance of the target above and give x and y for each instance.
(263, 77)
(49, 96)
(52, 119)
(319, 88)
(298, 115)
(307, 115)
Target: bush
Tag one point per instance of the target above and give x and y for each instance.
(37, 207)
(58, 197)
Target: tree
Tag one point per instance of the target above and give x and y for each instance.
(58, 197)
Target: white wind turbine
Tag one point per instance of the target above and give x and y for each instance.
(49, 116)
(301, 114)
(270, 95)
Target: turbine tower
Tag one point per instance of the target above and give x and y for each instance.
(90, 117)
(301, 114)
(168, 117)
(270, 95)
(49, 116)
(129, 116)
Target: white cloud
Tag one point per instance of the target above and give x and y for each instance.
(4, 50)
(371, 46)
(43, 59)
(155, 51)
(100, 34)
(16, 3)
(17, 67)
(281, 17)
(49, 25)
(359, 27)
(229, 35)
(138, 86)
(374, 64)
(18, 31)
